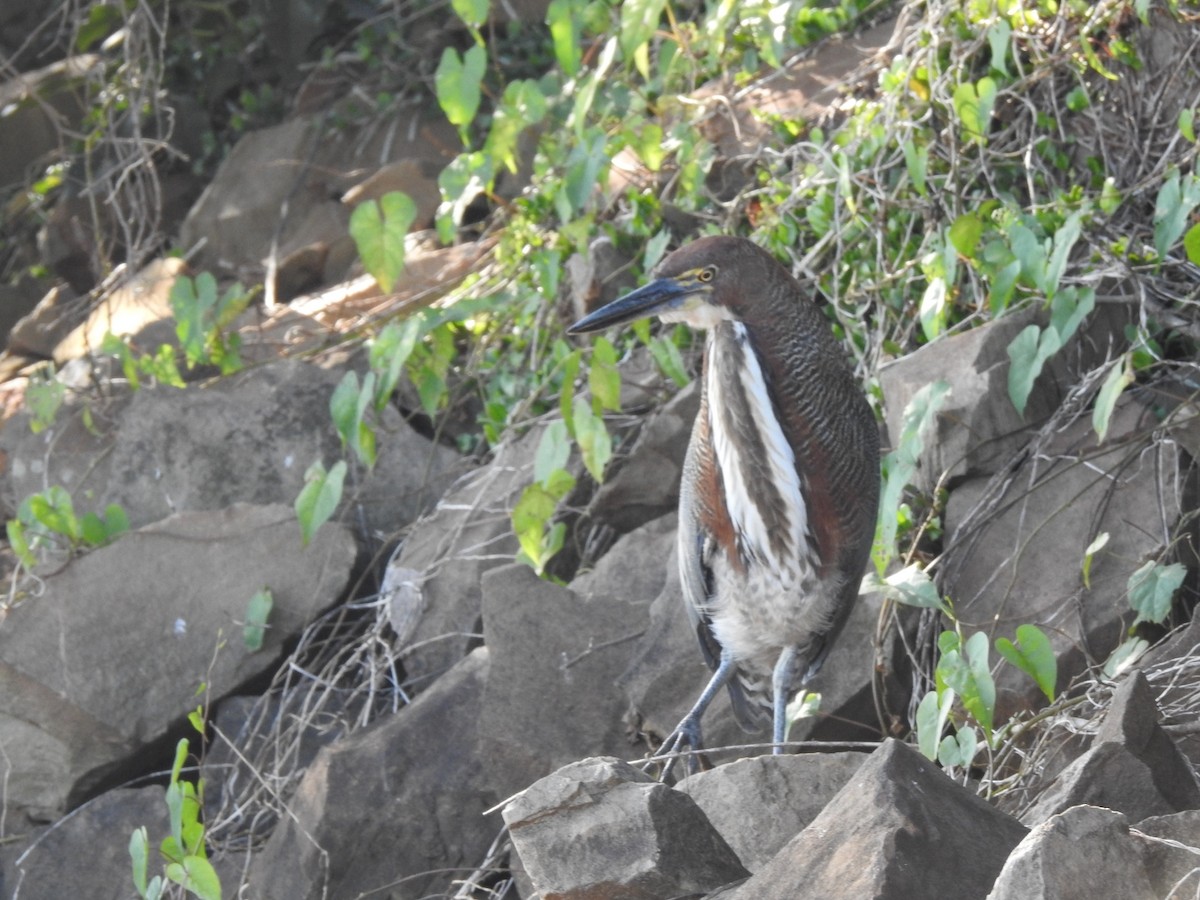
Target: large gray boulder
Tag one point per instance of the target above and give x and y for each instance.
(112, 650)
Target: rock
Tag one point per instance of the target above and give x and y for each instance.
(1170, 848)
(647, 485)
(246, 438)
(415, 177)
(761, 803)
(1031, 529)
(52, 867)
(140, 303)
(468, 533)
(978, 429)
(600, 828)
(55, 316)
(273, 178)
(1080, 854)
(38, 105)
(551, 649)
(898, 829)
(112, 650)
(397, 807)
(1133, 766)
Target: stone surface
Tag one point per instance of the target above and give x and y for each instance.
(246, 438)
(978, 429)
(899, 829)
(112, 650)
(395, 808)
(141, 303)
(1133, 766)
(1080, 854)
(1014, 549)
(273, 178)
(647, 486)
(468, 533)
(1170, 848)
(600, 828)
(552, 650)
(761, 803)
(86, 854)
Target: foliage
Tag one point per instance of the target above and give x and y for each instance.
(48, 520)
(964, 694)
(203, 320)
(258, 610)
(378, 228)
(319, 497)
(185, 858)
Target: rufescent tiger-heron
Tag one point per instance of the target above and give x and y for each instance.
(781, 480)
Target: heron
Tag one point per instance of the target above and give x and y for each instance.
(780, 483)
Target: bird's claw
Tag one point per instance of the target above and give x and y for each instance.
(685, 741)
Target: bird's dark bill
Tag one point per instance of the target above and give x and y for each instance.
(651, 299)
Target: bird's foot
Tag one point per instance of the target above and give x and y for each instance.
(685, 742)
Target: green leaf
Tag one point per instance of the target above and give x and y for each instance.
(1125, 656)
(1028, 353)
(604, 378)
(1089, 554)
(639, 20)
(1191, 244)
(554, 449)
(19, 541)
(56, 512)
(958, 749)
(197, 875)
(1034, 656)
(1003, 285)
(932, 715)
(43, 398)
(1110, 197)
(973, 103)
(319, 497)
(91, 530)
(1152, 589)
(1068, 309)
(473, 12)
(1176, 199)
(196, 719)
(388, 353)
(999, 38)
(912, 586)
(965, 234)
(900, 465)
(916, 160)
(566, 399)
(595, 443)
(1187, 125)
(255, 627)
(933, 308)
(1064, 239)
(458, 81)
(669, 359)
(139, 853)
(563, 18)
(980, 699)
(379, 228)
(1120, 376)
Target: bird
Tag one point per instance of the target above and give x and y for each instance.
(780, 484)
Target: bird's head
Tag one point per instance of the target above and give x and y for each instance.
(698, 284)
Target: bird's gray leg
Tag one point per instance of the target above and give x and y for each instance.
(787, 667)
(687, 733)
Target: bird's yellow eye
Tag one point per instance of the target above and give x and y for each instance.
(706, 274)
